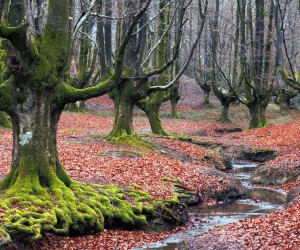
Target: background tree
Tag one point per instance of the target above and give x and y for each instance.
(255, 60)
(136, 90)
(202, 71)
(225, 95)
(287, 60)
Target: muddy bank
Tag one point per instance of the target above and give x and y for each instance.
(276, 175)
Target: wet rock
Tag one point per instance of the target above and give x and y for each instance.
(275, 175)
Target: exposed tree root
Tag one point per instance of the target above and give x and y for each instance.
(27, 211)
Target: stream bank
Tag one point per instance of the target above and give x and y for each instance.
(257, 202)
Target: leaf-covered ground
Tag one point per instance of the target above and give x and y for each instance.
(87, 157)
(279, 230)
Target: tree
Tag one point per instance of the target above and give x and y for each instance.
(290, 76)
(226, 96)
(151, 105)
(136, 90)
(256, 74)
(126, 95)
(38, 59)
(202, 74)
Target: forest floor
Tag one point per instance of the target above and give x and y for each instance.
(87, 157)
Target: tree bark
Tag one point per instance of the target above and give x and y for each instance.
(174, 98)
(224, 113)
(206, 102)
(255, 116)
(35, 158)
(124, 101)
(152, 113)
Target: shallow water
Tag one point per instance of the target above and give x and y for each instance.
(258, 201)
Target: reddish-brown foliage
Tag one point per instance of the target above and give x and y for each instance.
(279, 230)
(81, 151)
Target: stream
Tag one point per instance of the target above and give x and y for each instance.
(258, 201)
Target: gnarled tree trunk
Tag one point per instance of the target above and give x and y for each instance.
(124, 101)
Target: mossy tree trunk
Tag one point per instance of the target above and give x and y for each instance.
(174, 110)
(152, 104)
(174, 98)
(155, 122)
(129, 91)
(224, 113)
(226, 96)
(152, 111)
(34, 155)
(256, 77)
(257, 109)
(255, 116)
(124, 97)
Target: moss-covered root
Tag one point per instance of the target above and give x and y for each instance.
(129, 140)
(4, 238)
(4, 121)
(78, 208)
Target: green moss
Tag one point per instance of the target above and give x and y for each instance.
(42, 70)
(127, 140)
(136, 186)
(172, 180)
(4, 121)
(60, 210)
(6, 91)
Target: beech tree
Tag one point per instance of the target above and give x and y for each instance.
(287, 60)
(256, 71)
(226, 95)
(37, 195)
(140, 88)
(202, 70)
